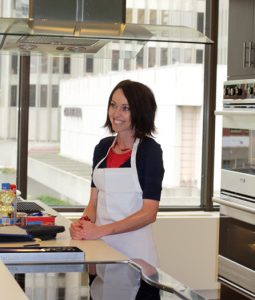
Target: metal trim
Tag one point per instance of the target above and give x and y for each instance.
(241, 277)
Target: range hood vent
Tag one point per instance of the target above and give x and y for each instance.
(84, 26)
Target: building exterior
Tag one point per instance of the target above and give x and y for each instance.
(174, 71)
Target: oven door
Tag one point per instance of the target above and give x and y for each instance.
(238, 154)
(237, 248)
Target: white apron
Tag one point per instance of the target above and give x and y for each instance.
(119, 195)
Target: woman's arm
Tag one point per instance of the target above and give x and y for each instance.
(90, 210)
(146, 215)
(76, 228)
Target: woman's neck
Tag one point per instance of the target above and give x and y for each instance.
(124, 143)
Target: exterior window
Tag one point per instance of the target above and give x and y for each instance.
(32, 95)
(127, 64)
(139, 59)
(199, 56)
(187, 55)
(33, 64)
(175, 55)
(43, 95)
(140, 16)
(54, 96)
(115, 60)
(44, 64)
(129, 18)
(153, 16)
(152, 57)
(67, 65)
(89, 64)
(163, 56)
(200, 22)
(14, 64)
(164, 17)
(179, 116)
(13, 102)
(55, 65)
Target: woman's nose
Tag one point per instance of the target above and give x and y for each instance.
(117, 110)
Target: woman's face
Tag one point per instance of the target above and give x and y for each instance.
(119, 112)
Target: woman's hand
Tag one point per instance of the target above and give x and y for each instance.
(91, 231)
(76, 231)
(85, 230)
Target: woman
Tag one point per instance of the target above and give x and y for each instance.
(125, 191)
(127, 176)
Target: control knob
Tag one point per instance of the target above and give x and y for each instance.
(238, 91)
(250, 90)
(232, 91)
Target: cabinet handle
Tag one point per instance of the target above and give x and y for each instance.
(250, 48)
(244, 55)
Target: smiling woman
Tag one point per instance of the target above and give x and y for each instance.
(127, 175)
(126, 185)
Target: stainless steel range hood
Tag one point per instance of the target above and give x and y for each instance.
(84, 26)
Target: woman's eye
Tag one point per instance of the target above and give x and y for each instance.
(113, 105)
(126, 108)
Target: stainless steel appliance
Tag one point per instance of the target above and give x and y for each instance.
(237, 248)
(238, 142)
(237, 197)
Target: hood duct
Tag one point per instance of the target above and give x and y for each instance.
(84, 26)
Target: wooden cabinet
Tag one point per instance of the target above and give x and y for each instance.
(241, 39)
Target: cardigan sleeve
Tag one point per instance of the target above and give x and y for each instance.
(150, 168)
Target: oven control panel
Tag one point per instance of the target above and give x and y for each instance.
(239, 93)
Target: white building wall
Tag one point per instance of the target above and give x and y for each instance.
(80, 135)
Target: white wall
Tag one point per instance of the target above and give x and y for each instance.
(80, 135)
(187, 244)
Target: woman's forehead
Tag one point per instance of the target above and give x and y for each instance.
(119, 97)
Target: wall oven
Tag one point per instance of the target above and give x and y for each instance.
(237, 197)
(238, 142)
(237, 249)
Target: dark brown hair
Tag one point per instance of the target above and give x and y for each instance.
(142, 105)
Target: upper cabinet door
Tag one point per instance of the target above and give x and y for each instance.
(241, 39)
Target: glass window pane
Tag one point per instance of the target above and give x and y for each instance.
(139, 59)
(33, 64)
(67, 131)
(187, 55)
(32, 95)
(115, 60)
(54, 96)
(164, 17)
(89, 64)
(43, 95)
(199, 56)
(44, 64)
(153, 16)
(14, 64)
(163, 56)
(129, 15)
(55, 65)
(13, 96)
(200, 22)
(175, 55)
(140, 16)
(152, 57)
(67, 65)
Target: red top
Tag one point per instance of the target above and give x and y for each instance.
(115, 160)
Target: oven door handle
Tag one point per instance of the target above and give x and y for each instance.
(234, 112)
(234, 205)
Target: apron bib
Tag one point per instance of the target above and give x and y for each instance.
(119, 195)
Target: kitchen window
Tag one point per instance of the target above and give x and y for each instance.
(181, 105)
